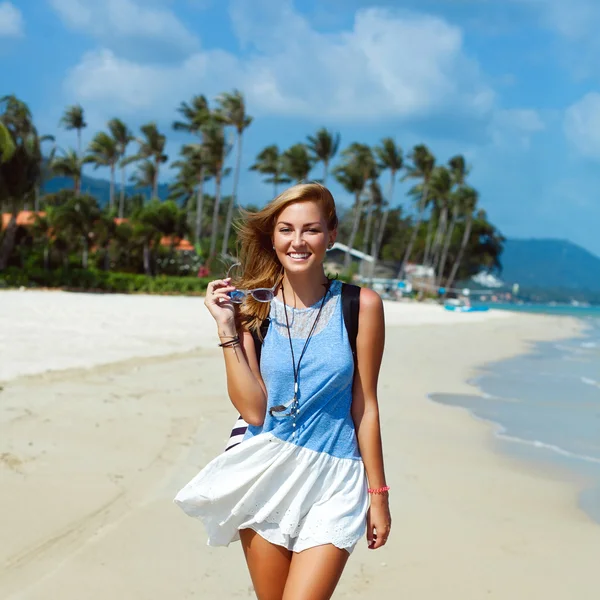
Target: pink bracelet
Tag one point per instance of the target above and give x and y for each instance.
(381, 490)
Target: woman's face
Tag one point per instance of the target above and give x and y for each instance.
(301, 236)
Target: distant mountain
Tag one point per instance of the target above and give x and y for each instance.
(550, 264)
(100, 188)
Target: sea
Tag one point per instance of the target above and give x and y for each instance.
(545, 405)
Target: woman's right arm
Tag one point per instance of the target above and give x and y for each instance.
(244, 383)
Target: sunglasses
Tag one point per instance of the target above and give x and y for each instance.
(259, 294)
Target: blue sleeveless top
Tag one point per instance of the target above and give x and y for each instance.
(324, 423)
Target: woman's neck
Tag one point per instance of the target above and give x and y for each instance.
(304, 289)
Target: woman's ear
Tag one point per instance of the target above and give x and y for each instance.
(332, 238)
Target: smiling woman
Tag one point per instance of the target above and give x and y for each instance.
(307, 481)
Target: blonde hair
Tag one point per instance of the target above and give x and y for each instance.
(260, 267)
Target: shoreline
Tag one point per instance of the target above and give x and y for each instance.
(538, 458)
(93, 458)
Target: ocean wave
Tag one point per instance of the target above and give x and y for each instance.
(501, 433)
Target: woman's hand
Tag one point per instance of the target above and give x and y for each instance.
(218, 302)
(379, 521)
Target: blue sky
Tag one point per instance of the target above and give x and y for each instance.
(514, 85)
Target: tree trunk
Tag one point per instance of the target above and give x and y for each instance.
(439, 237)
(355, 224)
(446, 247)
(369, 224)
(77, 182)
(46, 257)
(428, 239)
(122, 195)
(8, 241)
(414, 233)
(378, 237)
(36, 199)
(146, 258)
(215, 219)
(155, 182)
(112, 187)
(84, 255)
(199, 207)
(463, 245)
(79, 143)
(233, 200)
(325, 171)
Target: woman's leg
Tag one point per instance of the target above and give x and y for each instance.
(314, 573)
(268, 565)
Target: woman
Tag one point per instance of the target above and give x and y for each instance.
(308, 479)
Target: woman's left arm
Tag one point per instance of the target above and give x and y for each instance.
(365, 411)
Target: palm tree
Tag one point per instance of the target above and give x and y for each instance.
(459, 171)
(103, 151)
(145, 175)
(74, 118)
(69, 165)
(441, 188)
(423, 164)
(122, 136)
(324, 146)
(351, 177)
(186, 184)
(20, 168)
(152, 147)
(183, 189)
(297, 163)
(78, 217)
(389, 158)
(217, 148)
(231, 111)
(469, 200)
(7, 145)
(269, 162)
(358, 168)
(196, 117)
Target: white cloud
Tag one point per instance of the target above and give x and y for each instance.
(582, 125)
(11, 20)
(124, 19)
(390, 64)
(517, 125)
(574, 19)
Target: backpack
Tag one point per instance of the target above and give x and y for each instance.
(350, 310)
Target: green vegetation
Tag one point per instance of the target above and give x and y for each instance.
(139, 242)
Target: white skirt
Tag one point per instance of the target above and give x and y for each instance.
(290, 495)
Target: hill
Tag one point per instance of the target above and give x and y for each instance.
(550, 264)
(99, 188)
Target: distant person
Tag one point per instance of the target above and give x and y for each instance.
(307, 481)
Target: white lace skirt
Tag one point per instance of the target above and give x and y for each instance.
(290, 495)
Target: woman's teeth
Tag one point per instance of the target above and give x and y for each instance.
(299, 256)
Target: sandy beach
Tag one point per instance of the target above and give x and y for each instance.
(109, 404)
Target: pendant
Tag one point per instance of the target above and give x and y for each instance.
(281, 407)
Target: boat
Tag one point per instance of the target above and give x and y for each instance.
(456, 305)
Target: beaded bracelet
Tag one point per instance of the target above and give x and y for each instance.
(381, 490)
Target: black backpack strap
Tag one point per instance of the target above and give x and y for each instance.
(264, 328)
(239, 429)
(350, 310)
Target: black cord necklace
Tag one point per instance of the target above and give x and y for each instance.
(294, 404)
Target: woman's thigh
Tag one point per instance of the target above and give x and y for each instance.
(314, 573)
(268, 565)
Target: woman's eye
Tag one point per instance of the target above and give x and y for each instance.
(284, 230)
(314, 231)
